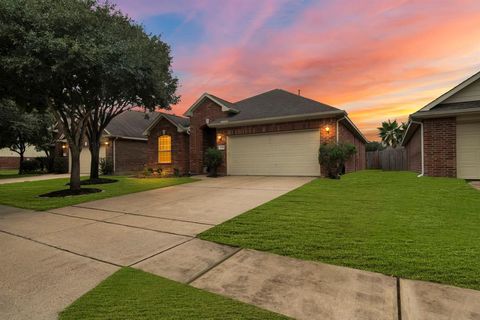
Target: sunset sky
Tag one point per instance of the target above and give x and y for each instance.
(376, 59)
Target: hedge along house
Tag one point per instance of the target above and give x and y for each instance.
(443, 138)
(273, 133)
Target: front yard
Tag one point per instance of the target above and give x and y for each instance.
(388, 222)
(134, 294)
(26, 194)
(13, 173)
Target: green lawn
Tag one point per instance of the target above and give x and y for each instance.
(388, 222)
(26, 194)
(134, 294)
(13, 173)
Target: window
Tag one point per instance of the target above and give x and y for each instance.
(165, 149)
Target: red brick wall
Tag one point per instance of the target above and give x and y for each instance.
(9, 162)
(439, 137)
(358, 161)
(180, 148)
(414, 152)
(207, 110)
(130, 155)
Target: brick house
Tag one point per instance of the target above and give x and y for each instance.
(122, 142)
(443, 138)
(273, 133)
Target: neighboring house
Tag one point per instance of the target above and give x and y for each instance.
(122, 142)
(273, 133)
(443, 138)
(11, 160)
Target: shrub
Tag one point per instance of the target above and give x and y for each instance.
(31, 165)
(43, 163)
(60, 165)
(213, 159)
(333, 157)
(106, 166)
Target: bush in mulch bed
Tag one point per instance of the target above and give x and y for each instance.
(95, 181)
(68, 192)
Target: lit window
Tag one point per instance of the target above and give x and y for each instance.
(164, 149)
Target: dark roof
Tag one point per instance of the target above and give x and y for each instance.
(276, 103)
(225, 102)
(132, 124)
(457, 105)
(184, 122)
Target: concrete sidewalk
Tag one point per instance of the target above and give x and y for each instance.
(35, 178)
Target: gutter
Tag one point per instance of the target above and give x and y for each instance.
(444, 113)
(422, 147)
(318, 115)
(113, 151)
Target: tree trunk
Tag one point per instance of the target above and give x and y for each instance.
(75, 170)
(21, 169)
(94, 147)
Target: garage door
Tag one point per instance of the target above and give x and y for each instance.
(468, 150)
(282, 154)
(86, 158)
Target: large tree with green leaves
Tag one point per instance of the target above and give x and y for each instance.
(57, 55)
(19, 129)
(136, 70)
(391, 133)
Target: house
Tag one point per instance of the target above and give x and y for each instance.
(443, 138)
(11, 160)
(122, 142)
(273, 133)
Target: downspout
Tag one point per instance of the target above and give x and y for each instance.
(422, 148)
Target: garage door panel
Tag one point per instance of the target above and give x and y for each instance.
(289, 154)
(468, 150)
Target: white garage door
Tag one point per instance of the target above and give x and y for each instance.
(86, 158)
(468, 150)
(282, 154)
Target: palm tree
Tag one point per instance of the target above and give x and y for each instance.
(391, 133)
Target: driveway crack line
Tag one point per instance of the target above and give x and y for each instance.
(148, 216)
(165, 250)
(61, 249)
(121, 224)
(203, 272)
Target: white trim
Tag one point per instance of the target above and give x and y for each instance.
(421, 144)
(444, 113)
(225, 108)
(451, 92)
(297, 117)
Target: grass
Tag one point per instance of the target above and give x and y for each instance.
(388, 222)
(134, 294)
(13, 173)
(26, 194)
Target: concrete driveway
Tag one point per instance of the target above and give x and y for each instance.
(49, 259)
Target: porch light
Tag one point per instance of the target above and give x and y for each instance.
(327, 129)
(220, 139)
(64, 146)
(106, 143)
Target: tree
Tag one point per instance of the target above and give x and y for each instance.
(136, 70)
(53, 56)
(391, 133)
(333, 156)
(19, 129)
(374, 146)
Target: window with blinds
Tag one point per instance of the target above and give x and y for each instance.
(165, 149)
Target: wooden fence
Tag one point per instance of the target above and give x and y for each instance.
(390, 159)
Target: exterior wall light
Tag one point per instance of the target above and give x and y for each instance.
(220, 139)
(64, 146)
(327, 129)
(106, 143)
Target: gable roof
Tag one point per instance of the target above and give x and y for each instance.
(451, 92)
(226, 105)
(274, 105)
(181, 123)
(130, 124)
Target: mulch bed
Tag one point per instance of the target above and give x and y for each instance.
(95, 181)
(68, 192)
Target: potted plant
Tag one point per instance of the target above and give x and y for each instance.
(213, 159)
(333, 156)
